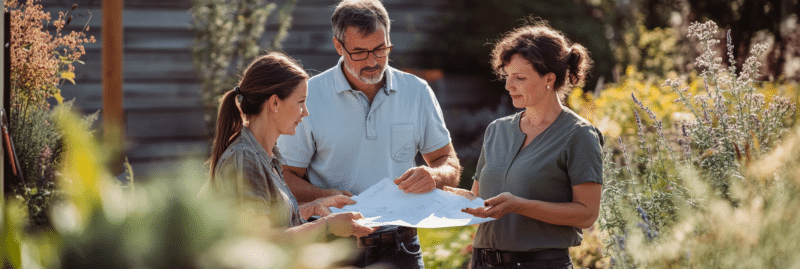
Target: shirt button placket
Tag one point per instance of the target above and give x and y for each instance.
(369, 124)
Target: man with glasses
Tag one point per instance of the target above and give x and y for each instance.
(367, 122)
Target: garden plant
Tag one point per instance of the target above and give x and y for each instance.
(42, 59)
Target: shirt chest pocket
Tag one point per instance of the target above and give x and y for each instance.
(402, 144)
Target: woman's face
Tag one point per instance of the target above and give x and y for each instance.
(292, 110)
(526, 86)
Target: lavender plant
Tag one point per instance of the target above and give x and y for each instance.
(647, 196)
(733, 123)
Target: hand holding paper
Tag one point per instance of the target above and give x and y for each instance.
(385, 204)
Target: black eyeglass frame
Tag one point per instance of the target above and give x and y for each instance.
(366, 52)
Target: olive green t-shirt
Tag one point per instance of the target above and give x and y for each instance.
(565, 154)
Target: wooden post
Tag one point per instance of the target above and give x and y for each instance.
(113, 118)
(4, 79)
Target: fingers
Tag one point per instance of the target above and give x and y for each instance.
(355, 215)
(404, 176)
(478, 212)
(345, 200)
(494, 201)
(412, 178)
(339, 201)
(421, 186)
(323, 211)
(346, 193)
(416, 180)
(361, 230)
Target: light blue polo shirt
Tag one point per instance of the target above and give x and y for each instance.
(347, 144)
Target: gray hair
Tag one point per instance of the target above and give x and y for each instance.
(366, 15)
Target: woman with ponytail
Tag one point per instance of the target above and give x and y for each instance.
(540, 170)
(245, 164)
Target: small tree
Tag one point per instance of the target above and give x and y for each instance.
(228, 36)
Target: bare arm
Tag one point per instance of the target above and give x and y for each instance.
(443, 170)
(341, 224)
(304, 191)
(445, 164)
(581, 212)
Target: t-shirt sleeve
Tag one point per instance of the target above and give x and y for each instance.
(435, 133)
(482, 157)
(585, 156)
(298, 149)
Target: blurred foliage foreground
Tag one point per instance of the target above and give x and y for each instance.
(163, 224)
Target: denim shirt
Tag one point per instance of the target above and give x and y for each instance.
(245, 171)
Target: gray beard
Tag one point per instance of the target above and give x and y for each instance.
(366, 80)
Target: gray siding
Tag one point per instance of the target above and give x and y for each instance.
(162, 92)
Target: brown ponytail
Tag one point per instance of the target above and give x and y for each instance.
(229, 126)
(268, 75)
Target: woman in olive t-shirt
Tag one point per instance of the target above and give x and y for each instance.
(540, 170)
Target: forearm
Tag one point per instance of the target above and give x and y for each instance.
(302, 190)
(446, 171)
(568, 214)
(314, 228)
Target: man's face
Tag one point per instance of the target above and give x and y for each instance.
(370, 70)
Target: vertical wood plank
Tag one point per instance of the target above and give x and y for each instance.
(112, 112)
(5, 84)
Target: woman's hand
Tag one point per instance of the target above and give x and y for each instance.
(460, 192)
(344, 224)
(337, 201)
(320, 206)
(313, 209)
(496, 207)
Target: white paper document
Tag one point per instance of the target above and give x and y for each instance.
(385, 204)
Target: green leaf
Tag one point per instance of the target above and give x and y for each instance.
(10, 235)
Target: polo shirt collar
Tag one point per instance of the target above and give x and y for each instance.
(342, 84)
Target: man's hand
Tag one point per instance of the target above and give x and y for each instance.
(417, 180)
(337, 201)
(495, 207)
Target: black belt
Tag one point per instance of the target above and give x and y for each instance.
(496, 257)
(388, 237)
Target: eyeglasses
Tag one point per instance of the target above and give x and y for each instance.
(363, 55)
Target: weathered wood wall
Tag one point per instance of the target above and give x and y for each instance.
(164, 118)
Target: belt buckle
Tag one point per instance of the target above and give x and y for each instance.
(492, 258)
(387, 238)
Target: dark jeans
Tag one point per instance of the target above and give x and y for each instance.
(559, 263)
(400, 255)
